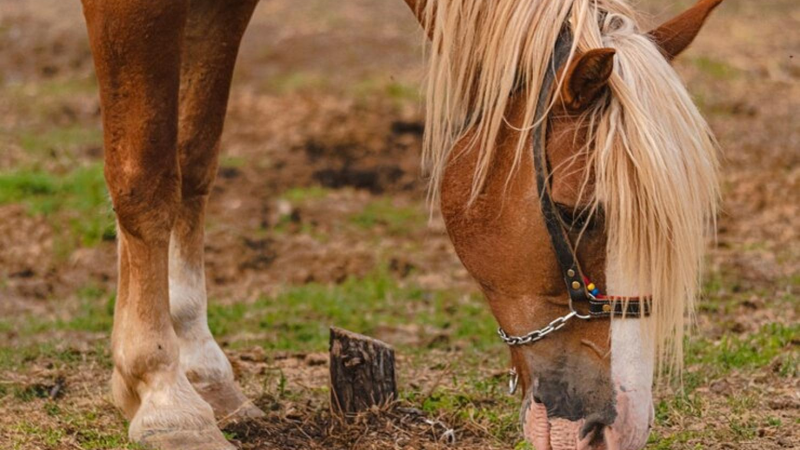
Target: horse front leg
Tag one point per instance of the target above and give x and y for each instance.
(136, 46)
(214, 29)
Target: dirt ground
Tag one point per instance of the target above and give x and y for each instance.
(318, 218)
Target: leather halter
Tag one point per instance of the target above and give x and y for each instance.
(599, 306)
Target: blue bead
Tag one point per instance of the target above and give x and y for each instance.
(596, 292)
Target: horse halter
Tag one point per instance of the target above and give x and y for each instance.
(579, 288)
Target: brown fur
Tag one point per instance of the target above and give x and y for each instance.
(675, 35)
(164, 70)
(502, 240)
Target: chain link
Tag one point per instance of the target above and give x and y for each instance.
(534, 336)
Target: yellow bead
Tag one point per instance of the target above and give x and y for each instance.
(606, 308)
(590, 286)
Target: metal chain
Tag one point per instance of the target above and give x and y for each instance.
(534, 336)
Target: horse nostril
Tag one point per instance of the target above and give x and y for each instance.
(593, 425)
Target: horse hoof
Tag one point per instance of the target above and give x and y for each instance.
(205, 439)
(228, 402)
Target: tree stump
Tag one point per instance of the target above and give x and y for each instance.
(362, 372)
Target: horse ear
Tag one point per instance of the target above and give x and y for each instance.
(586, 77)
(675, 35)
(418, 8)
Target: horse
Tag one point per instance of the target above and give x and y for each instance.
(626, 181)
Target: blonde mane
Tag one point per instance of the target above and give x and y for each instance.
(652, 154)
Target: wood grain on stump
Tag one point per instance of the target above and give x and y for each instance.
(362, 372)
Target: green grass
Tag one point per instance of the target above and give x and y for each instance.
(232, 162)
(299, 317)
(69, 137)
(296, 319)
(81, 194)
(469, 394)
(304, 194)
(773, 341)
(398, 92)
(294, 82)
(78, 427)
(49, 91)
(94, 314)
(66, 87)
(719, 70)
(398, 220)
(18, 357)
(658, 442)
(708, 361)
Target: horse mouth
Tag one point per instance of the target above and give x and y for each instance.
(590, 433)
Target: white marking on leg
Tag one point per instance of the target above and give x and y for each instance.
(200, 355)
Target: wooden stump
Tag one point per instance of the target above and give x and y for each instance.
(362, 372)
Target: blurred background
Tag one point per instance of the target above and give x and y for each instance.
(318, 218)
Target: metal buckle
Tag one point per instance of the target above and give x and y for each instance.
(576, 313)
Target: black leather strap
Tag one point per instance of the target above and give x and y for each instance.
(632, 307)
(565, 254)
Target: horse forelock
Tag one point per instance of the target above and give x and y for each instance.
(652, 156)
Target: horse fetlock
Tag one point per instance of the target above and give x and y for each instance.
(139, 359)
(124, 397)
(203, 361)
(228, 401)
(211, 374)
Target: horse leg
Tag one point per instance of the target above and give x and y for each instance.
(136, 46)
(211, 40)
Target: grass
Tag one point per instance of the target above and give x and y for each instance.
(304, 194)
(294, 82)
(397, 220)
(472, 397)
(51, 352)
(773, 342)
(68, 137)
(94, 314)
(44, 96)
(76, 202)
(299, 317)
(718, 70)
(399, 93)
(297, 320)
(771, 349)
(78, 427)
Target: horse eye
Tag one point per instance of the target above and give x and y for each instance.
(579, 218)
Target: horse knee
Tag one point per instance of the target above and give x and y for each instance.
(145, 201)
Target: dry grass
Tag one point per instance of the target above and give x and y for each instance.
(320, 185)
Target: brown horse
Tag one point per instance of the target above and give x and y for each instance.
(164, 70)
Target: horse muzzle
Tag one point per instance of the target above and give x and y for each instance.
(562, 421)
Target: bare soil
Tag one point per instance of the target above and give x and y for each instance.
(321, 143)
